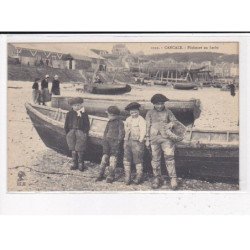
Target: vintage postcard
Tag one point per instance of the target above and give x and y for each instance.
(123, 116)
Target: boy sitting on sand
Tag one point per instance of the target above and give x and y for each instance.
(77, 128)
(112, 139)
(135, 132)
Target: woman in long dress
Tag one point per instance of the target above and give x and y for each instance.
(36, 92)
(55, 90)
(46, 96)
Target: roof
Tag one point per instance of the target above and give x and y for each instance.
(76, 49)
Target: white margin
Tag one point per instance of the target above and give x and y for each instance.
(184, 202)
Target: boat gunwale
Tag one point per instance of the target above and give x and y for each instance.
(195, 143)
(193, 100)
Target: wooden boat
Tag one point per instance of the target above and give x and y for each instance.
(107, 89)
(185, 111)
(212, 155)
(185, 86)
(160, 82)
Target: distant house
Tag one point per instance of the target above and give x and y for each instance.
(114, 66)
(33, 57)
(37, 57)
(120, 49)
(100, 52)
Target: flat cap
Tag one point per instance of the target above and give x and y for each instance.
(133, 105)
(75, 100)
(159, 98)
(113, 110)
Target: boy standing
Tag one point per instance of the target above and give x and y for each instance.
(159, 122)
(112, 139)
(77, 128)
(135, 132)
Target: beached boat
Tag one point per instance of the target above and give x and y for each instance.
(160, 83)
(107, 89)
(185, 86)
(185, 110)
(206, 154)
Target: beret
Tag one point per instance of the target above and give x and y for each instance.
(133, 105)
(113, 110)
(159, 98)
(75, 100)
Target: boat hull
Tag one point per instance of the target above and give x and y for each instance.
(214, 162)
(185, 111)
(107, 89)
(185, 86)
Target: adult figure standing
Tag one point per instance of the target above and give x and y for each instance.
(232, 88)
(36, 92)
(45, 95)
(55, 90)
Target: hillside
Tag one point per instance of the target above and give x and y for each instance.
(197, 57)
(27, 73)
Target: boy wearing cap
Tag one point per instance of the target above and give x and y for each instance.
(159, 122)
(55, 89)
(112, 139)
(77, 127)
(135, 132)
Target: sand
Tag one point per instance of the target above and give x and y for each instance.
(47, 170)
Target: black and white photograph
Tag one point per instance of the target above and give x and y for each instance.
(123, 116)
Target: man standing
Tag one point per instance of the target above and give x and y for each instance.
(46, 97)
(159, 122)
(232, 88)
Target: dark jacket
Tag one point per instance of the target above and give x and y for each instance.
(73, 121)
(35, 86)
(114, 130)
(55, 84)
(44, 84)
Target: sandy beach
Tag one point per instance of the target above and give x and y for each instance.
(47, 170)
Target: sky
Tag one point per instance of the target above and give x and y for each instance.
(146, 48)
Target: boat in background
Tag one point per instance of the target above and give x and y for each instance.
(203, 154)
(185, 86)
(107, 89)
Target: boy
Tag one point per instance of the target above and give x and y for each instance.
(77, 128)
(112, 139)
(159, 122)
(135, 132)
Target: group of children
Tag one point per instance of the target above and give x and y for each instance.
(43, 95)
(134, 134)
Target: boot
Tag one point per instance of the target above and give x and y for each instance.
(74, 157)
(139, 174)
(112, 166)
(80, 161)
(170, 164)
(156, 183)
(103, 165)
(174, 183)
(127, 170)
